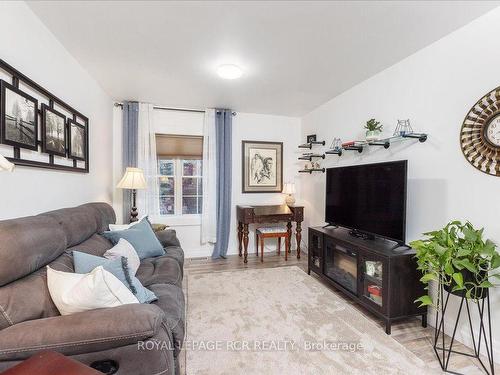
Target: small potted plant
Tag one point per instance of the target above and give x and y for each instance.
(459, 258)
(373, 130)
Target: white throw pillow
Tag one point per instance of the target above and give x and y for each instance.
(114, 227)
(124, 249)
(73, 292)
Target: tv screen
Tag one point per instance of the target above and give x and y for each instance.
(370, 198)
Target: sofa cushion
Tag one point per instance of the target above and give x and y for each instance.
(160, 270)
(168, 237)
(75, 292)
(124, 249)
(28, 298)
(171, 301)
(96, 245)
(141, 237)
(27, 244)
(83, 332)
(175, 252)
(78, 223)
(85, 263)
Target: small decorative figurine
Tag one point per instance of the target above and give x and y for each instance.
(403, 128)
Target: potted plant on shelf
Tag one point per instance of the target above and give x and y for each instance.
(373, 130)
(462, 263)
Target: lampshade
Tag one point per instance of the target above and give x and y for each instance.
(289, 188)
(132, 179)
(6, 165)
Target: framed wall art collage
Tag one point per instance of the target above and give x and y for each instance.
(41, 130)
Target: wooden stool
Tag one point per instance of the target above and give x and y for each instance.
(271, 232)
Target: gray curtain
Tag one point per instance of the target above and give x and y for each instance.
(130, 121)
(223, 139)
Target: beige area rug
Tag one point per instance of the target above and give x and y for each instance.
(282, 321)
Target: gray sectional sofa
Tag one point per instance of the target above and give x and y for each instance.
(138, 338)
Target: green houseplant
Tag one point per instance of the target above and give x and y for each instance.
(373, 130)
(459, 258)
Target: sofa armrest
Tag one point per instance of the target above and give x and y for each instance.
(84, 332)
(168, 237)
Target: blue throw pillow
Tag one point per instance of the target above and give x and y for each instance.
(141, 236)
(85, 263)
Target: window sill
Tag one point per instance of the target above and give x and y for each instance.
(178, 220)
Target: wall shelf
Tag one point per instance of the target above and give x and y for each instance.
(386, 142)
(310, 171)
(358, 146)
(334, 152)
(311, 144)
(311, 157)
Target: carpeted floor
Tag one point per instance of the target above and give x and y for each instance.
(281, 321)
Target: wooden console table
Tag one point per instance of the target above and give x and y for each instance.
(268, 214)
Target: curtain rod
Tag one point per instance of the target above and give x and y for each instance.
(174, 109)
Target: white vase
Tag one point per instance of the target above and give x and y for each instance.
(372, 135)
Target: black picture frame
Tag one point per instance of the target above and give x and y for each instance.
(311, 138)
(72, 127)
(247, 186)
(46, 148)
(4, 126)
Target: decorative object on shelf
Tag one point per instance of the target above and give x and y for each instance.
(6, 165)
(480, 134)
(311, 141)
(353, 146)
(373, 130)
(311, 138)
(53, 131)
(77, 139)
(403, 127)
(20, 116)
(335, 147)
(262, 166)
(313, 167)
(289, 190)
(461, 262)
(133, 179)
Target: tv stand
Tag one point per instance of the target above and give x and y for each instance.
(379, 274)
(330, 225)
(364, 236)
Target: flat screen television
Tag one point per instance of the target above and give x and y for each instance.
(369, 198)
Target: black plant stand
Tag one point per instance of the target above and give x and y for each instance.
(443, 353)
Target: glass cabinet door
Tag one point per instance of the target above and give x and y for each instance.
(316, 251)
(372, 281)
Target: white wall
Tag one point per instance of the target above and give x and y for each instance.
(435, 88)
(246, 126)
(257, 127)
(26, 44)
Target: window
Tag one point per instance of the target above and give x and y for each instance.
(180, 175)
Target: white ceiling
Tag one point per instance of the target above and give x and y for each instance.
(295, 55)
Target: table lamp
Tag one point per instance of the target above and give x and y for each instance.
(289, 189)
(133, 179)
(6, 165)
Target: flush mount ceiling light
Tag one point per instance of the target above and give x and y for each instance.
(229, 71)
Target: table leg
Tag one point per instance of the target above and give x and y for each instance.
(245, 242)
(298, 236)
(240, 237)
(289, 231)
